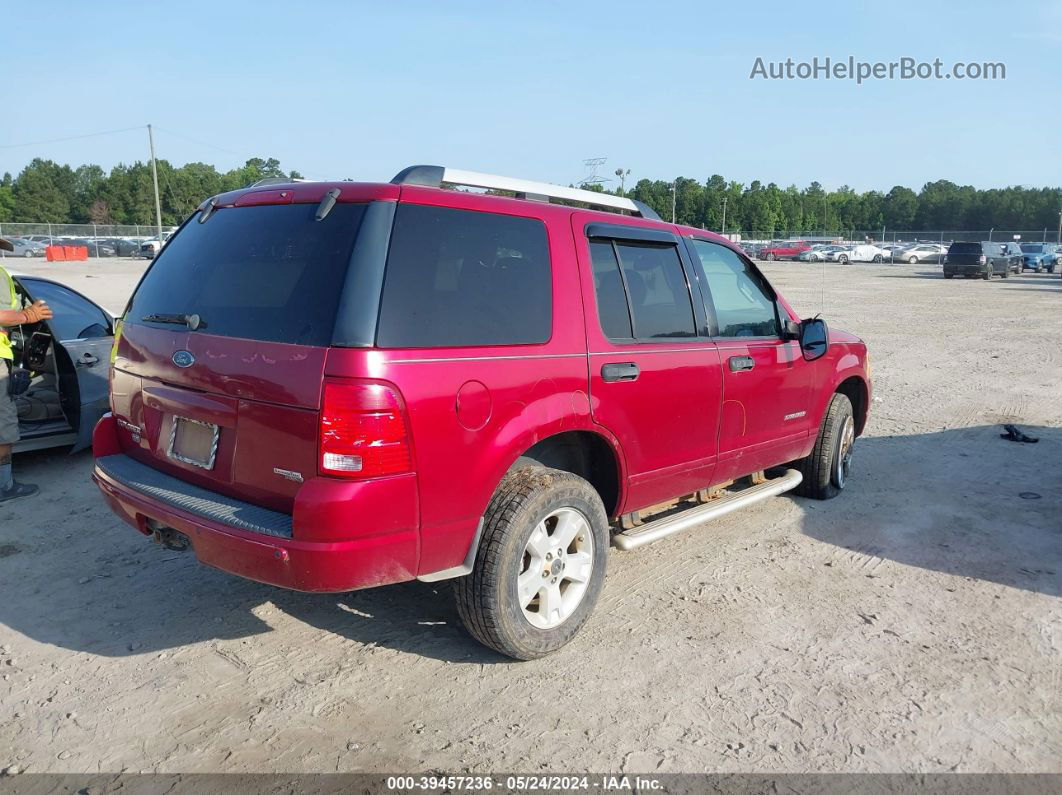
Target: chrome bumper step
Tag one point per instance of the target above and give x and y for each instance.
(720, 506)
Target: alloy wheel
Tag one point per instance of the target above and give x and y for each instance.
(555, 568)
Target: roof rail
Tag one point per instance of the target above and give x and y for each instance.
(277, 181)
(435, 176)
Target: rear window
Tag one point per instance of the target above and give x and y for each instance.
(460, 278)
(1030, 248)
(965, 248)
(269, 273)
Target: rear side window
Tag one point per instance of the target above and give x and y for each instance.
(459, 278)
(657, 295)
(269, 273)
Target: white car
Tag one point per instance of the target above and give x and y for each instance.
(860, 253)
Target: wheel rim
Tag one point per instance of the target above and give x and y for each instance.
(843, 462)
(555, 568)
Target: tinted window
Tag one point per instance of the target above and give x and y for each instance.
(743, 305)
(659, 298)
(1032, 248)
(608, 285)
(965, 248)
(76, 317)
(264, 273)
(460, 278)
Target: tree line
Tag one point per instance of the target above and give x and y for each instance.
(46, 191)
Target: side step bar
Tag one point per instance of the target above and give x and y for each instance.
(654, 531)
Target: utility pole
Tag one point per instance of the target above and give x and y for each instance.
(1059, 238)
(674, 191)
(155, 179)
(724, 216)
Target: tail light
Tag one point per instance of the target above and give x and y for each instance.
(363, 431)
(982, 260)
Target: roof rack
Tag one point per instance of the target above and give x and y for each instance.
(277, 181)
(435, 176)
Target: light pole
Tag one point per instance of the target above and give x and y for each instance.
(724, 215)
(674, 192)
(622, 174)
(1059, 239)
(155, 180)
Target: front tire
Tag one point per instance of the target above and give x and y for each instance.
(540, 564)
(912, 260)
(843, 259)
(826, 470)
(769, 258)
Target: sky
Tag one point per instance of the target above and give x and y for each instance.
(361, 90)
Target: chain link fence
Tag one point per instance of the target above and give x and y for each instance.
(101, 240)
(897, 236)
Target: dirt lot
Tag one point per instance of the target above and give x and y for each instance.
(913, 624)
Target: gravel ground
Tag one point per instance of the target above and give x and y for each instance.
(913, 624)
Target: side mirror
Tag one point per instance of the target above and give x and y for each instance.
(814, 338)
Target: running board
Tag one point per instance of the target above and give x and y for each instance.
(654, 531)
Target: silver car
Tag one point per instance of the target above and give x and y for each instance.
(922, 252)
(24, 248)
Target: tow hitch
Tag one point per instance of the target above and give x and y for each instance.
(170, 538)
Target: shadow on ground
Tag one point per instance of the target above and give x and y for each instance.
(962, 502)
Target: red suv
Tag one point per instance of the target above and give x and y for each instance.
(785, 249)
(333, 386)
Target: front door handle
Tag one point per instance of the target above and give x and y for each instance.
(740, 364)
(87, 360)
(619, 371)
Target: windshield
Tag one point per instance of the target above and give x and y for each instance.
(269, 273)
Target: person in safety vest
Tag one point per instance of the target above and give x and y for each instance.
(12, 314)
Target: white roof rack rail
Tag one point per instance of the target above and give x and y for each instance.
(435, 176)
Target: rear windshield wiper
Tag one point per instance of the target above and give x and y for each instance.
(193, 321)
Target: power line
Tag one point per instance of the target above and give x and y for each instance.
(72, 137)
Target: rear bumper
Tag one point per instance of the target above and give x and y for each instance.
(967, 270)
(271, 555)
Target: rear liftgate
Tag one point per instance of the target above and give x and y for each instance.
(707, 505)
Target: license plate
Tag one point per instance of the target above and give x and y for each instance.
(193, 442)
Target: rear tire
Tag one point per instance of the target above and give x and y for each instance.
(826, 470)
(987, 276)
(531, 588)
(949, 275)
(1006, 273)
(912, 260)
(769, 258)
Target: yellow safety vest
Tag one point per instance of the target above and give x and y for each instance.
(7, 288)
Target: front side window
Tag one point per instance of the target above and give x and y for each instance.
(459, 278)
(743, 306)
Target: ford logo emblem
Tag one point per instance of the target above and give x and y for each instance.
(183, 359)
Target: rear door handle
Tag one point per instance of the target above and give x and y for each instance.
(739, 364)
(619, 371)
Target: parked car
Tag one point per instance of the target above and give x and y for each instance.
(818, 253)
(785, 249)
(1012, 251)
(1039, 257)
(22, 248)
(68, 356)
(334, 386)
(979, 259)
(864, 252)
(123, 247)
(922, 252)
